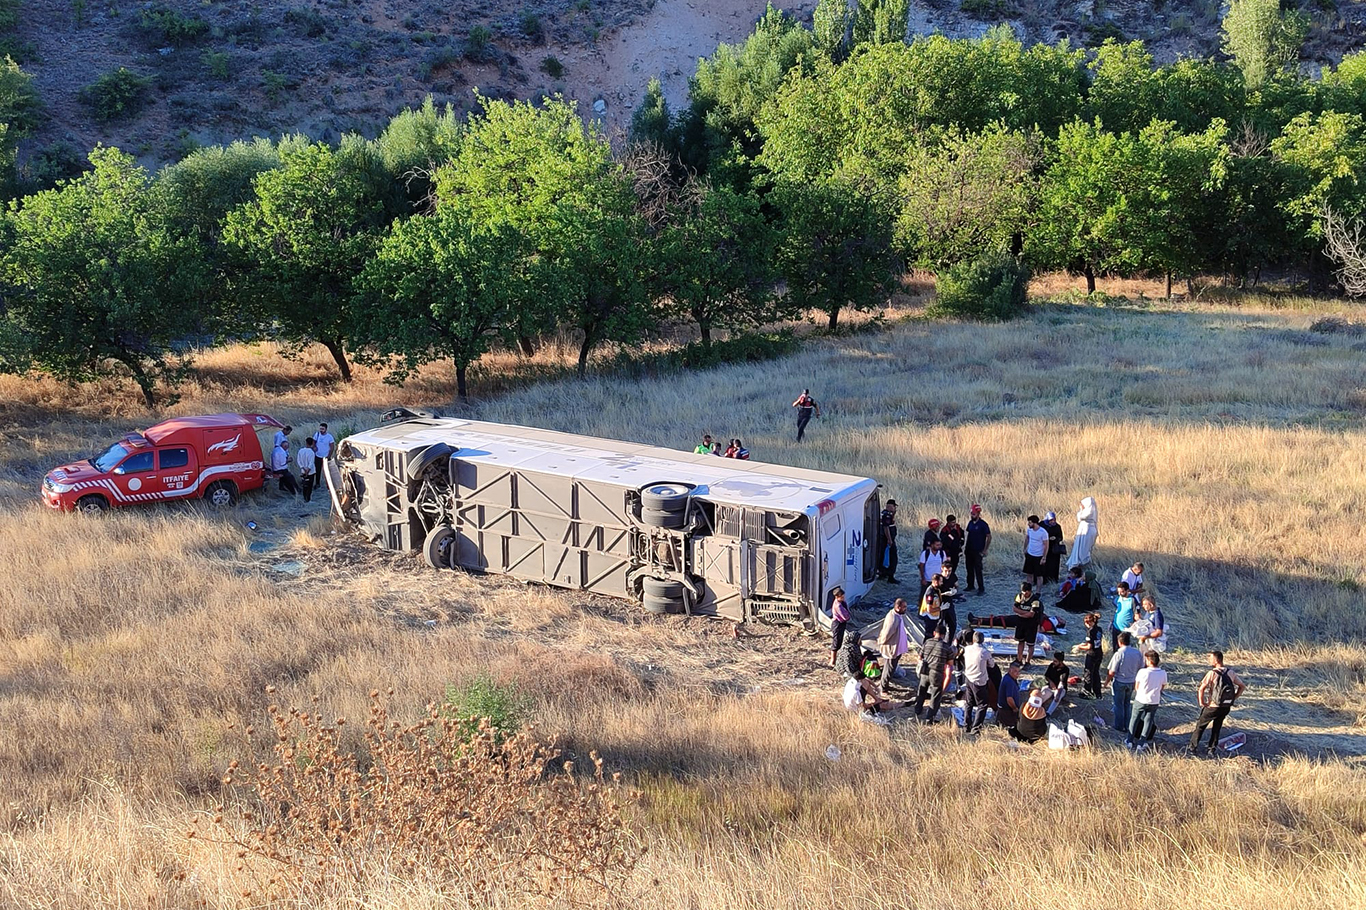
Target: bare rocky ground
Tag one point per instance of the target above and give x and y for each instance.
(326, 67)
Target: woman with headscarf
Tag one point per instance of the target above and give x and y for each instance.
(1053, 560)
(1086, 534)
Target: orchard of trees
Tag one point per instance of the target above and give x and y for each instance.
(808, 168)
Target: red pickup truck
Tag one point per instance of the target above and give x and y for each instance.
(214, 457)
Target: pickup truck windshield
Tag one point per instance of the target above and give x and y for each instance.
(111, 457)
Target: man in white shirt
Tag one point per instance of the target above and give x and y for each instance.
(977, 663)
(279, 464)
(931, 564)
(323, 442)
(1036, 552)
(283, 435)
(1148, 686)
(307, 460)
(1133, 577)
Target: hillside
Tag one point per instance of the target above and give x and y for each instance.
(223, 69)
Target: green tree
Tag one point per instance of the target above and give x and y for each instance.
(1262, 39)
(880, 21)
(1343, 87)
(717, 261)
(440, 287)
(967, 195)
(304, 237)
(94, 283)
(416, 143)
(835, 247)
(830, 27)
(1326, 157)
(652, 121)
(198, 191)
(20, 112)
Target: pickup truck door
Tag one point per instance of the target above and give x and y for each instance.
(135, 477)
(176, 472)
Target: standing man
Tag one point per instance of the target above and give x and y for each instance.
(1148, 686)
(1123, 672)
(279, 463)
(886, 559)
(931, 563)
(806, 407)
(283, 435)
(1126, 605)
(1035, 552)
(705, 446)
(307, 460)
(323, 442)
(931, 533)
(932, 606)
(977, 541)
(839, 621)
(1133, 577)
(1029, 612)
(892, 641)
(1220, 688)
(951, 536)
(1092, 649)
(977, 663)
(934, 672)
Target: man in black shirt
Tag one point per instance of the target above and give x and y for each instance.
(951, 536)
(806, 408)
(976, 542)
(934, 664)
(886, 560)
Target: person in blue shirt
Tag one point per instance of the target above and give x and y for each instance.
(1008, 696)
(1159, 623)
(1126, 606)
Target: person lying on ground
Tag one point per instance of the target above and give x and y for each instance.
(1047, 624)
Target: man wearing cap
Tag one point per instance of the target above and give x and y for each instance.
(886, 557)
(976, 542)
(931, 533)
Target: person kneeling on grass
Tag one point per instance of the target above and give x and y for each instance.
(1032, 724)
(863, 692)
(1148, 686)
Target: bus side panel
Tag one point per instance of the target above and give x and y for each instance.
(718, 560)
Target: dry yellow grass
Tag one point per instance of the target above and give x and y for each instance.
(1224, 445)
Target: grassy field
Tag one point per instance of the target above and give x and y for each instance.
(1223, 441)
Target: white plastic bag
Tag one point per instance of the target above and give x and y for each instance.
(853, 698)
(1058, 738)
(1080, 738)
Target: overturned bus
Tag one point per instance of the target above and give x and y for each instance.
(675, 532)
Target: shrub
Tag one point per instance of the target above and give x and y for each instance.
(307, 22)
(117, 94)
(552, 67)
(750, 348)
(171, 26)
(217, 63)
(479, 43)
(993, 287)
(529, 23)
(988, 10)
(477, 815)
(435, 59)
(503, 707)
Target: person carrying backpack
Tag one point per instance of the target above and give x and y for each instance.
(1220, 688)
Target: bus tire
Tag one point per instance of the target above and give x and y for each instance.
(658, 606)
(664, 590)
(666, 496)
(657, 519)
(438, 547)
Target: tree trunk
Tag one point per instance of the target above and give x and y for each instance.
(461, 388)
(527, 345)
(704, 326)
(1090, 274)
(1169, 284)
(584, 350)
(1190, 287)
(145, 382)
(334, 347)
(834, 319)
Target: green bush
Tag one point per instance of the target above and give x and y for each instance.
(993, 287)
(217, 63)
(172, 26)
(505, 707)
(435, 59)
(987, 10)
(117, 94)
(479, 43)
(307, 22)
(530, 24)
(552, 67)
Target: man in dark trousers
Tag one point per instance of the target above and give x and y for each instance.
(1220, 688)
(886, 557)
(806, 408)
(951, 536)
(976, 542)
(934, 670)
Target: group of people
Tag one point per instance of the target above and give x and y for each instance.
(1138, 637)
(734, 449)
(309, 460)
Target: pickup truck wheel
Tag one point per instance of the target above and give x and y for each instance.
(657, 519)
(92, 504)
(221, 494)
(438, 549)
(666, 496)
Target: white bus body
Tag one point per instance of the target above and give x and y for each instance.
(675, 531)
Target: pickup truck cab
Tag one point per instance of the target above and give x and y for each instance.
(214, 457)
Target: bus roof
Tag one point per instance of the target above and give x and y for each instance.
(726, 480)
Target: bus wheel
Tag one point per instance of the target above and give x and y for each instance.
(657, 519)
(439, 547)
(666, 496)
